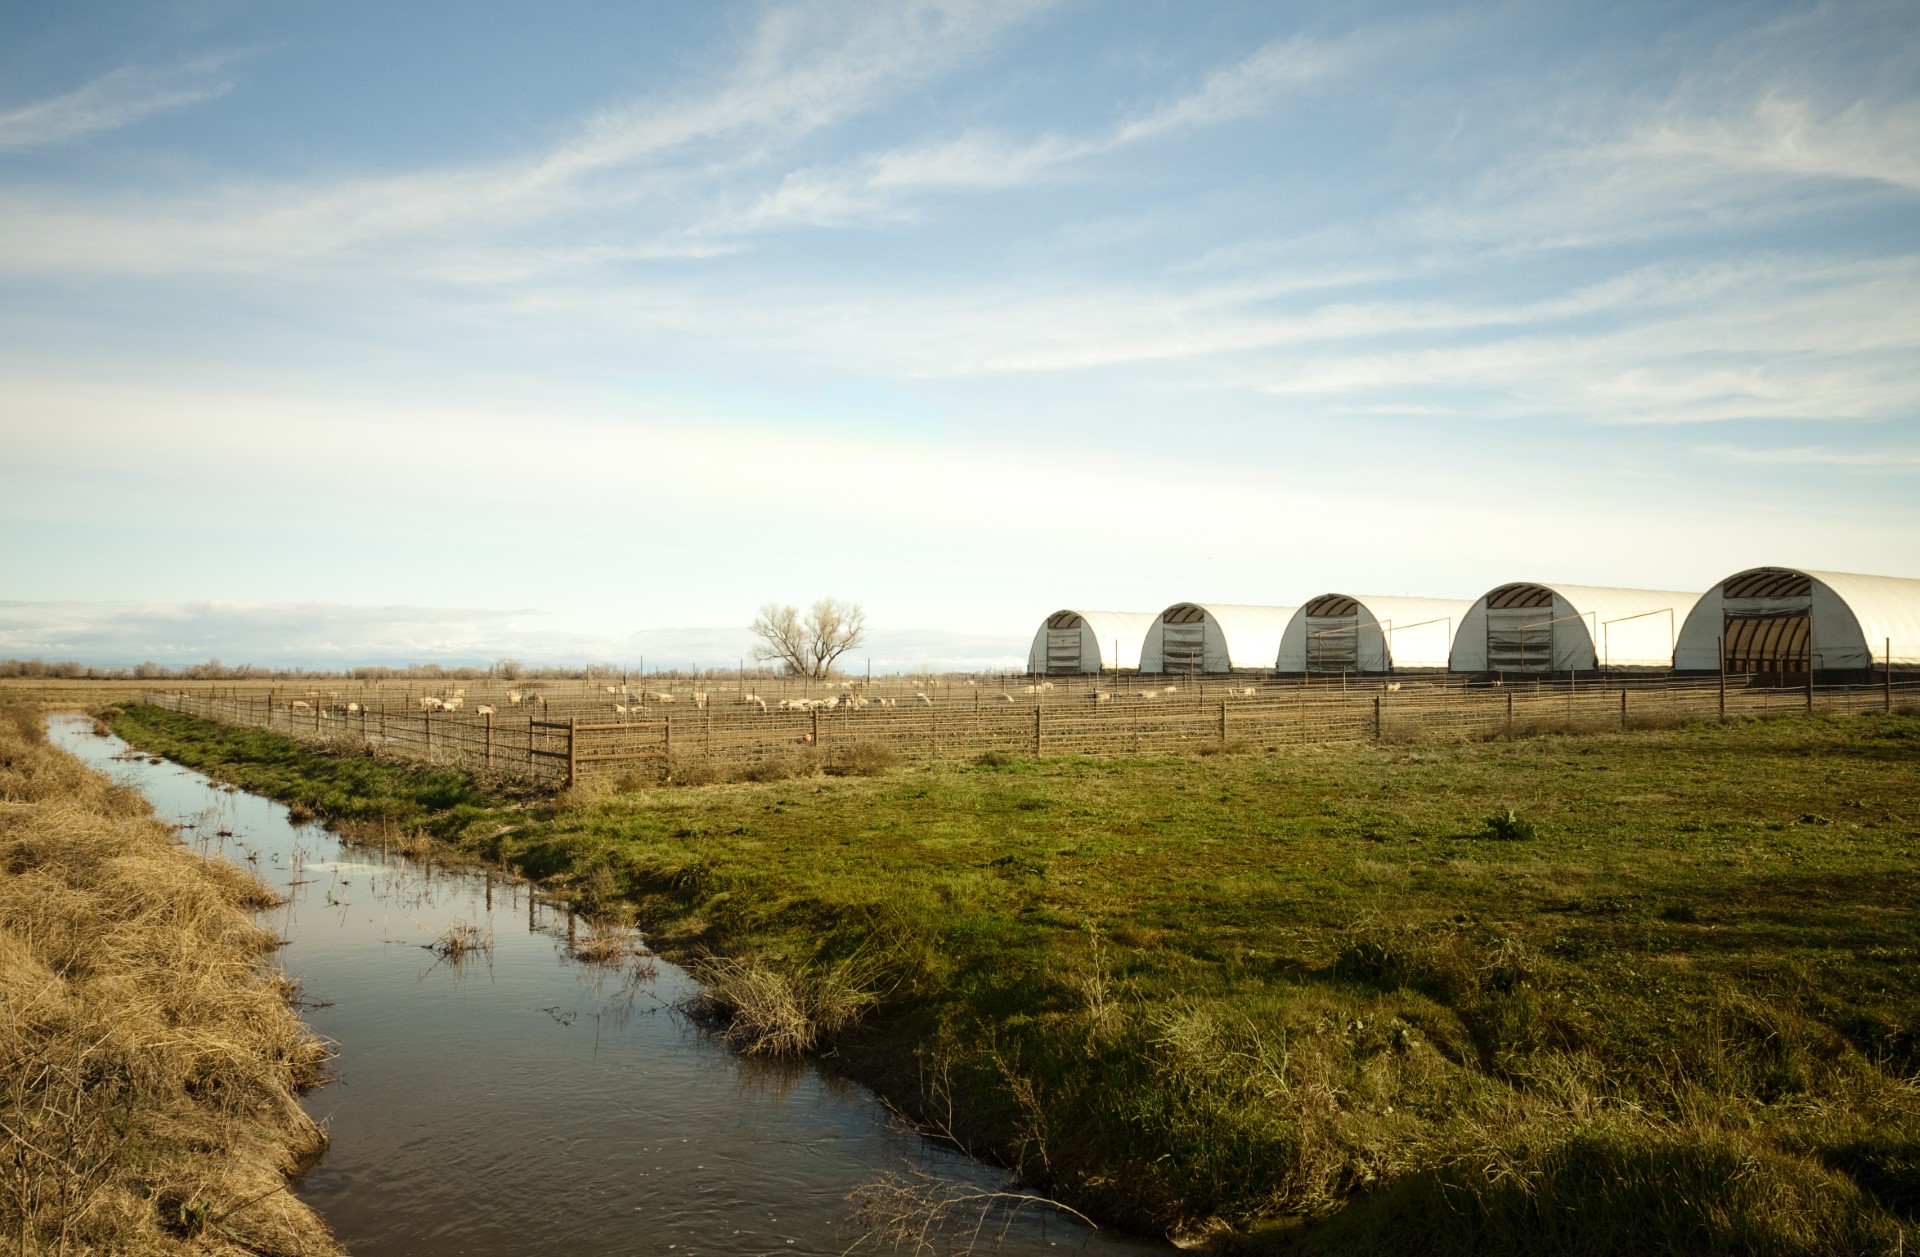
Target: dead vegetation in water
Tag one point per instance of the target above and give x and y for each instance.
(149, 1063)
(459, 939)
(768, 1009)
(614, 945)
(917, 1212)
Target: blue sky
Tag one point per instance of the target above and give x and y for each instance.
(448, 330)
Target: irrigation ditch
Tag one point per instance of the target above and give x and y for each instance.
(510, 1078)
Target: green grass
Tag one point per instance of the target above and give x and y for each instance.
(1651, 992)
(354, 790)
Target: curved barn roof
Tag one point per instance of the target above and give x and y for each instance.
(1107, 639)
(1390, 631)
(1587, 625)
(1854, 621)
(1233, 635)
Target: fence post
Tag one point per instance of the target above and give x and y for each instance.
(666, 740)
(816, 726)
(573, 749)
(1723, 678)
(1509, 715)
(1888, 704)
(1223, 722)
(1376, 717)
(1623, 709)
(426, 722)
(1039, 742)
(489, 741)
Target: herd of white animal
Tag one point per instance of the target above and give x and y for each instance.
(626, 702)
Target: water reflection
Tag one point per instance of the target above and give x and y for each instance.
(511, 1099)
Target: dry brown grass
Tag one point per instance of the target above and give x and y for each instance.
(459, 940)
(765, 1009)
(614, 945)
(149, 1062)
(861, 759)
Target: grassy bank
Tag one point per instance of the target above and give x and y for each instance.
(148, 1059)
(1652, 992)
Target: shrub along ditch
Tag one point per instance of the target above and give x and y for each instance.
(1569, 995)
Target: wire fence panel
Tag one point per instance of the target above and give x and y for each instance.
(568, 733)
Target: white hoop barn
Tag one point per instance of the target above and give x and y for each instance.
(1196, 637)
(1780, 619)
(1528, 627)
(1366, 633)
(1074, 642)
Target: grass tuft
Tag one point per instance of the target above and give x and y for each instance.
(460, 939)
(861, 759)
(1507, 827)
(768, 1009)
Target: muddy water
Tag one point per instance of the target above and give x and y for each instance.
(521, 1102)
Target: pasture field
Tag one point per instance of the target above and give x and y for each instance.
(702, 732)
(1653, 991)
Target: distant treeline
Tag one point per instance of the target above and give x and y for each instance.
(214, 670)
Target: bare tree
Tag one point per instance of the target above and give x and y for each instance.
(809, 644)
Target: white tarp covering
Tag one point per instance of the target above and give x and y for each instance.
(1073, 641)
(1214, 637)
(1852, 620)
(1377, 634)
(1538, 627)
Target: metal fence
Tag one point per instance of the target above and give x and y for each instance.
(562, 736)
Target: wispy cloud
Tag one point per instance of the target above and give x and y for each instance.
(113, 100)
(1813, 456)
(1865, 142)
(1252, 86)
(804, 68)
(880, 187)
(1754, 143)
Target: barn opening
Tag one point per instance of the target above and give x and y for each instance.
(1064, 646)
(1333, 634)
(1520, 629)
(1767, 622)
(1183, 638)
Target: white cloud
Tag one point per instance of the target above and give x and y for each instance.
(806, 67)
(1248, 87)
(1729, 149)
(879, 187)
(1813, 456)
(312, 634)
(113, 100)
(1862, 141)
(338, 636)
